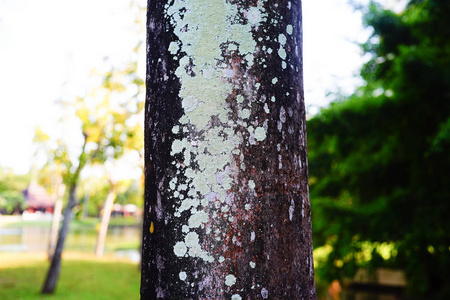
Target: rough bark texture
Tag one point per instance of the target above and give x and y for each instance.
(227, 213)
(53, 272)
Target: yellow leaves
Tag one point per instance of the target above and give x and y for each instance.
(40, 136)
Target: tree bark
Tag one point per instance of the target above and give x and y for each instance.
(105, 222)
(227, 213)
(53, 272)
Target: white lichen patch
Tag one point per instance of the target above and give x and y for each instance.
(251, 184)
(282, 53)
(180, 249)
(198, 219)
(289, 29)
(291, 209)
(252, 264)
(254, 15)
(245, 113)
(173, 47)
(182, 275)
(176, 129)
(260, 133)
(230, 280)
(191, 239)
(205, 156)
(236, 297)
(232, 47)
(282, 39)
(189, 103)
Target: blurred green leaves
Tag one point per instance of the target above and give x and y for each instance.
(379, 160)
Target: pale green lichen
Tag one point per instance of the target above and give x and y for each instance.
(282, 39)
(251, 184)
(204, 29)
(173, 47)
(289, 29)
(197, 219)
(182, 276)
(180, 249)
(254, 15)
(282, 53)
(260, 134)
(230, 280)
(245, 113)
(189, 103)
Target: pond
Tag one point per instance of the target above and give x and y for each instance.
(120, 240)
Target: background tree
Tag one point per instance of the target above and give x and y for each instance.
(226, 200)
(11, 191)
(103, 118)
(379, 160)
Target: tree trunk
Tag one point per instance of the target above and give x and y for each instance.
(87, 196)
(53, 272)
(105, 221)
(59, 194)
(227, 213)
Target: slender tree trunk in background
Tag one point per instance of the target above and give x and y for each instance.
(53, 272)
(87, 196)
(105, 222)
(59, 194)
(227, 213)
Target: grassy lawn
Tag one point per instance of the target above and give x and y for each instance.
(82, 277)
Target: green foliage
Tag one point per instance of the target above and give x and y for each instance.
(11, 188)
(379, 160)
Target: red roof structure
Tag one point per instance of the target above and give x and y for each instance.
(37, 198)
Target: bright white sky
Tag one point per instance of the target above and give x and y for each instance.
(49, 47)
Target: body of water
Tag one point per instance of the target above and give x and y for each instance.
(120, 240)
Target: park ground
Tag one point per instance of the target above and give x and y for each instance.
(83, 276)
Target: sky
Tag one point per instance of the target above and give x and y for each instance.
(48, 49)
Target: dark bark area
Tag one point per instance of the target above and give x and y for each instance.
(54, 270)
(261, 242)
(165, 109)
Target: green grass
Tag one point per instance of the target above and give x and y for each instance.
(82, 277)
